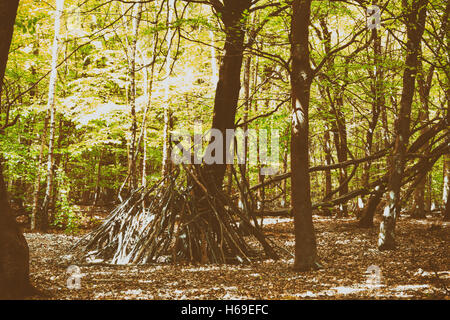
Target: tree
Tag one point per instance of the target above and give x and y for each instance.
(415, 14)
(14, 254)
(132, 155)
(43, 220)
(301, 78)
(232, 14)
(168, 69)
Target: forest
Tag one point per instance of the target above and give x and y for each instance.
(224, 149)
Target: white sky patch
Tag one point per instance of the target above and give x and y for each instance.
(360, 203)
(100, 112)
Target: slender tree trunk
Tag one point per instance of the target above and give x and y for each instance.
(378, 102)
(424, 84)
(55, 166)
(148, 89)
(446, 191)
(284, 202)
(301, 77)
(328, 186)
(214, 68)
(44, 221)
(325, 36)
(340, 140)
(37, 180)
(148, 95)
(166, 129)
(247, 106)
(98, 180)
(132, 173)
(378, 106)
(446, 186)
(415, 25)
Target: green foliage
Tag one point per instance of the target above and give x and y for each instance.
(67, 214)
(93, 99)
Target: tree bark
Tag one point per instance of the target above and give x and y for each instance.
(43, 220)
(415, 25)
(301, 77)
(446, 184)
(229, 84)
(132, 173)
(340, 139)
(8, 10)
(166, 129)
(14, 253)
(37, 181)
(327, 142)
(366, 220)
(446, 187)
(377, 88)
(424, 83)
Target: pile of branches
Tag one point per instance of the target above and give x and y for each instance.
(177, 220)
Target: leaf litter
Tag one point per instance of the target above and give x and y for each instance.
(418, 269)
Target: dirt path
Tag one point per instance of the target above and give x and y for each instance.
(419, 268)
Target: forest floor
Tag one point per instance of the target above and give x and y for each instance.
(418, 269)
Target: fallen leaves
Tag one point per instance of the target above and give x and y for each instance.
(345, 251)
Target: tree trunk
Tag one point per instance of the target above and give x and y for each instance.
(415, 24)
(325, 36)
(378, 103)
(229, 84)
(35, 213)
(168, 62)
(98, 179)
(8, 11)
(14, 254)
(446, 186)
(366, 220)
(132, 173)
(43, 221)
(284, 202)
(446, 190)
(301, 77)
(424, 83)
(340, 140)
(148, 94)
(327, 142)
